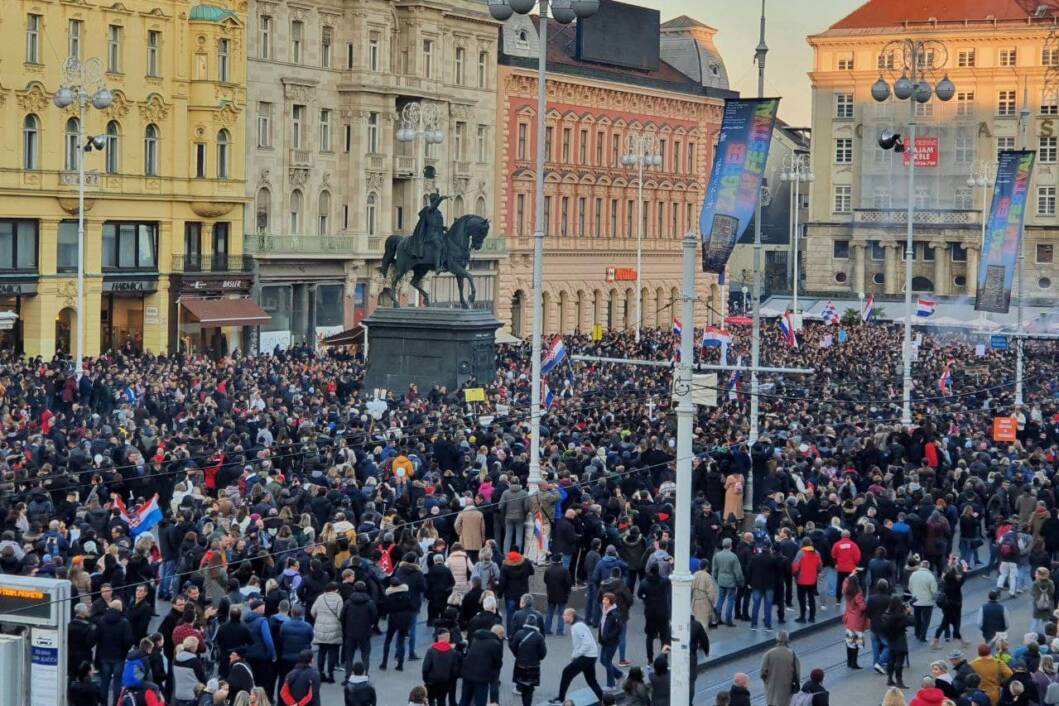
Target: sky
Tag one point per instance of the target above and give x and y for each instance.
(788, 23)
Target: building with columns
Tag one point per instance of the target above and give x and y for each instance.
(327, 179)
(590, 204)
(1002, 56)
(164, 197)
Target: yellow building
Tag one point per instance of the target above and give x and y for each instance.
(165, 194)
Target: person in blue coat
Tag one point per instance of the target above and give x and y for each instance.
(295, 637)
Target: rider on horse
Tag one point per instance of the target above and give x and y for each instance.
(429, 229)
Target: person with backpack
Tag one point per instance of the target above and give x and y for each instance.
(302, 684)
(1008, 555)
(812, 692)
(188, 672)
(1043, 592)
(136, 687)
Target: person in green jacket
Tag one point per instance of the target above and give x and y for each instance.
(728, 573)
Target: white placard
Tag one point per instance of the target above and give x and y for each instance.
(44, 668)
(270, 339)
(979, 350)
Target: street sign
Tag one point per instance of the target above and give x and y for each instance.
(999, 343)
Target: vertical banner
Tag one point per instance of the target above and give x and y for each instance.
(996, 273)
(735, 180)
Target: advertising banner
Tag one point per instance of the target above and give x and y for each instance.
(735, 180)
(996, 273)
(926, 152)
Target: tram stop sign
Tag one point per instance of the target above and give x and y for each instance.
(34, 614)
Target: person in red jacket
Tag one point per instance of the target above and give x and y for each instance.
(928, 696)
(806, 570)
(846, 555)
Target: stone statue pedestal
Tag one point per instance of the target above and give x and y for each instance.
(428, 347)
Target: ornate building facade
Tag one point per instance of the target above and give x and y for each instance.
(1002, 56)
(328, 178)
(590, 205)
(164, 197)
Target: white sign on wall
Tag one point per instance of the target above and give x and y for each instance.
(44, 667)
(271, 339)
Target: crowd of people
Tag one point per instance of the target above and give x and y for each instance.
(301, 517)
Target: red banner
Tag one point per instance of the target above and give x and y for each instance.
(926, 152)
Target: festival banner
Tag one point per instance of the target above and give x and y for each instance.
(735, 180)
(996, 273)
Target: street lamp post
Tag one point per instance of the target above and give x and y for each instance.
(82, 84)
(919, 57)
(563, 11)
(420, 123)
(642, 153)
(796, 170)
(980, 177)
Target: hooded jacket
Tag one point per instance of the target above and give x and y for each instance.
(928, 697)
(114, 636)
(187, 672)
(514, 578)
(397, 604)
(806, 567)
(441, 664)
(261, 646)
(360, 692)
(412, 576)
(485, 657)
(358, 615)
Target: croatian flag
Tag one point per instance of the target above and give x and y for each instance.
(547, 397)
(678, 328)
(735, 379)
(713, 337)
(945, 381)
(829, 314)
(147, 516)
(555, 355)
(925, 307)
(538, 531)
(869, 306)
(787, 329)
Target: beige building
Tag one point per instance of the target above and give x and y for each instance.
(326, 175)
(590, 196)
(996, 52)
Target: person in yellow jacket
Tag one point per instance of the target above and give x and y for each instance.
(992, 672)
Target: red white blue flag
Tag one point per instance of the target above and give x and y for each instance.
(869, 307)
(925, 307)
(787, 329)
(555, 355)
(144, 518)
(945, 381)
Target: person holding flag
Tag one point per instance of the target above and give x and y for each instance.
(787, 329)
(869, 307)
(143, 519)
(945, 381)
(555, 354)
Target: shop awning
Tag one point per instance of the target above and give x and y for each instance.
(348, 337)
(226, 312)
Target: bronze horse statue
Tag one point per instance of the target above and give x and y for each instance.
(466, 234)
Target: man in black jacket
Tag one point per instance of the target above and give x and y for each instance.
(610, 629)
(441, 670)
(115, 640)
(481, 665)
(359, 614)
(81, 638)
(760, 577)
(557, 585)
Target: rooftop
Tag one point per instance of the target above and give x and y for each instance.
(888, 13)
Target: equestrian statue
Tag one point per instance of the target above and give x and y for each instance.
(434, 248)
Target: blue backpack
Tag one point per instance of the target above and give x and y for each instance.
(135, 670)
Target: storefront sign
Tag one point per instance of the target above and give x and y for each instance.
(621, 274)
(133, 286)
(18, 288)
(215, 285)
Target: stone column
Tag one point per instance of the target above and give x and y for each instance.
(650, 309)
(599, 307)
(892, 251)
(941, 275)
(972, 270)
(857, 284)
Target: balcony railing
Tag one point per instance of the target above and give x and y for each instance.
(264, 244)
(301, 157)
(925, 216)
(213, 263)
(404, 166)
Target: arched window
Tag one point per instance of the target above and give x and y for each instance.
(113, 147)
(223, 151)
(150, 150)
(31, 142)
(479, 207)
(457, 207)
(371, 213)
(296, 212)
(324, 219)
(73, 144)
(263, 206)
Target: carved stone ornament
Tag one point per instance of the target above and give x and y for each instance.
(297, 176)
(70, 204)
(33, 99)
(226, 115)
(211, 209)
(153, 109)
(119, 106)
(325, 180)
(263, 179)
(374, 180)
(298, 93)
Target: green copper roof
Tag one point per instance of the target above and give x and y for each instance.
(210, 13)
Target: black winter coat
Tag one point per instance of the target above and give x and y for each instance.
(114, 636)
(485, 657)
(528, 646)
(358, 616)
(441, 664)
